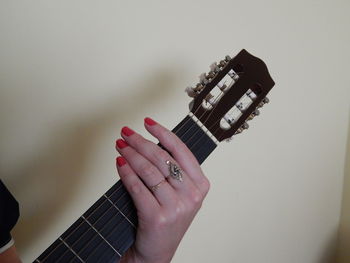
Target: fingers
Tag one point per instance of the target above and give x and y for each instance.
(180, 152)
(148, 173)
(157, 156)
(144, 200)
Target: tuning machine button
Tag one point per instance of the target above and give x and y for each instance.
(245, 126)
(253, 115)
(263, 102)
(190, 105)
(222, 63)
(214, 67)
(229, 139)
(227, 58)
(191, 92)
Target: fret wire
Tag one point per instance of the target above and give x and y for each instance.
(120, 211)
(101, 236)
(118, 224)
(189, 120)
(120, 187)
(120, 234)
(105, 213)
(71, 249)
(125, 205)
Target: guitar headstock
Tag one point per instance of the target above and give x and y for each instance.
(231, 94)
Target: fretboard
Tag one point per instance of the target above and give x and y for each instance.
(108, 228)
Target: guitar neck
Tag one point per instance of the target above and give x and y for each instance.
(108, 228)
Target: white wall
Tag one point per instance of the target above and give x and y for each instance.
(72, 73)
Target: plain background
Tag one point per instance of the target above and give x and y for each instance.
(72, 73)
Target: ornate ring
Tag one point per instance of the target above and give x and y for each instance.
(175, 171)
(155, 187)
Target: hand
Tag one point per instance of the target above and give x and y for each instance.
(165, 213)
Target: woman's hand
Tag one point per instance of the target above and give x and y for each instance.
(165, 206)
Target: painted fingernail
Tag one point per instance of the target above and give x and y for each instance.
(121, 161)
(121, 143)
(127, 131)
(150, 122)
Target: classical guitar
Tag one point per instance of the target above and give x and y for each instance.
(224, 100)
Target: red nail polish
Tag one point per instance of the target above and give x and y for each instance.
(127, 131)
(150, 122)
(121, 143)
(121, 161)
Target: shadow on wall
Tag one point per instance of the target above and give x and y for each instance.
(343, 249)
(59, 169)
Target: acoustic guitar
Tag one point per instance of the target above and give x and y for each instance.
(224, 101)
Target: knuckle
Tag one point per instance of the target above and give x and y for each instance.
(205, 185)
(135, 188)
(162, 155)
(148, 170)
(196, 198)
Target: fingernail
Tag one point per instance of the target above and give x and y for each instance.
(121, 161)
(150, 122)
(121, 143)
(127, 131)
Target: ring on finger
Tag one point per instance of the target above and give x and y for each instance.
(156, 187)
(175, 172)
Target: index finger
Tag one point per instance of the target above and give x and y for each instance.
(176, 148)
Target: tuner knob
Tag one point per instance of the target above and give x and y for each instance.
(263, 102)
(211, 74)
(199, 87)
(190, 105)
(191, 92)
(229, 139)
(202, 77)
(227, 58)
(253, 115)
(245, 126)
(222, 63)
(266, 100)
(214, 67)
(239, 131)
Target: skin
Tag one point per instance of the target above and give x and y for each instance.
(166, 213)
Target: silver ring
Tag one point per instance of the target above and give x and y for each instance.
(174, 171)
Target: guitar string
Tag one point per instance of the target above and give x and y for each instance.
(115, 227)
(210, 113)
(219, 135)
(104, 213)
(76, 228)
(127, 203)
(181, 127)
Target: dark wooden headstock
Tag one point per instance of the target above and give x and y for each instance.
(230, 94)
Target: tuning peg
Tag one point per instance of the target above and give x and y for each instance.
(263, 102)
(253, 115)
(214, 67)
(239, 130)
(199, 87)
(190, 105)
(266, 100)
(211, 74)
(229, 139)
(227, 58)
(245, 126)
(191, 92)
(222, 63)
(202, 77)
